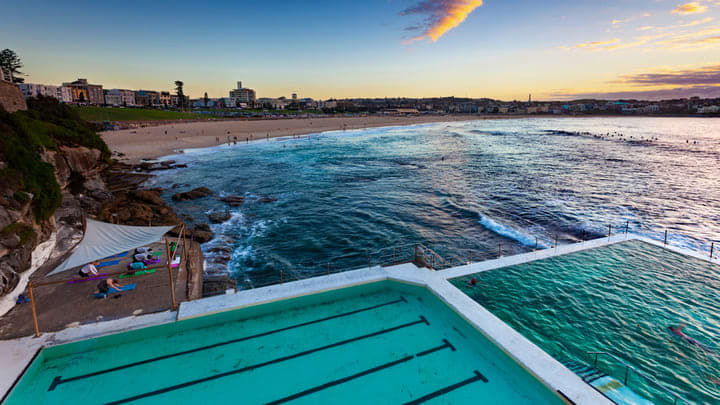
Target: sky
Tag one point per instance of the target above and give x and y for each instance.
(552, 49)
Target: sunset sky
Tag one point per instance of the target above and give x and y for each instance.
(554, 49)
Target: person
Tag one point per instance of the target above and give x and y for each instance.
(104, 286)
(473, 282)
(89, 269)
(678, 331)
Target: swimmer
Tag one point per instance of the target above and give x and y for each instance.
(678, 331)
(472, 282)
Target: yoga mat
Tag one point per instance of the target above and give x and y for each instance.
(137, 273)
(81, 280)
(110, 263)
(117, 255)
(128, 287)
(158, 253)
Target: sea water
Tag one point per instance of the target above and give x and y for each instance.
(467, 189)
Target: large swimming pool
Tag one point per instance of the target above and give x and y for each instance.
(620, 299)
(383, 342)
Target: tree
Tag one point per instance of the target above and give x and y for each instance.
(12, 63)
(205, 99)
(180, 94)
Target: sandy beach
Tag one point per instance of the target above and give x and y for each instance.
(162, 140)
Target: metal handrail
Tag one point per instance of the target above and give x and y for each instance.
(646, 376)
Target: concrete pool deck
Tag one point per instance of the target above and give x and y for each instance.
(17, 354)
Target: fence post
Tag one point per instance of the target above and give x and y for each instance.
(32, 305)
(712, 247)
(536, 242)
(556, 241)
(172, 282)
(609, 230)
(328, 267)
(627, 227)
(583, 235)
(665, 237)
(281, 276)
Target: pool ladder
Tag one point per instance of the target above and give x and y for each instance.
(648, 377)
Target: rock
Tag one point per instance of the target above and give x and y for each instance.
(233, 200)
(149, 197)
(81, 159)
(201, 236)
(218, 217)
(267, 199)
(167, 163)
(199, 192)
(180, 166)
(203, 227)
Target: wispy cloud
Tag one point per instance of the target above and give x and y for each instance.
(707, 75)
(660, 94)
(440, 16)
(690, 8)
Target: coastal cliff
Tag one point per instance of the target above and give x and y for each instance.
(55, 169)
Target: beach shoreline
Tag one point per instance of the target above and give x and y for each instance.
(135, 145)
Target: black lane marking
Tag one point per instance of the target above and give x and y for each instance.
(59, 380)
(267, 363)
(445, 345)
(478, 377)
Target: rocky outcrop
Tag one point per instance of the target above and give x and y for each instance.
(218, 217)
(11, 98)
(194, 194)
(233, 200)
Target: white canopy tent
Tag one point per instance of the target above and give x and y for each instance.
(102, 240)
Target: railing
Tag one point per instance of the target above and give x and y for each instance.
(647, 377)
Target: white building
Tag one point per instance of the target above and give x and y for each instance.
(242, 94)
(61, 93)
(709, 109)
(120, 97)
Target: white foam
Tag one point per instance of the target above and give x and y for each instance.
(509, 232)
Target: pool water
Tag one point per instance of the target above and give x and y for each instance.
(382, 343)
(619, 299)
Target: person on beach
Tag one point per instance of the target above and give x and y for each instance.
(104, 286)
(89, 269)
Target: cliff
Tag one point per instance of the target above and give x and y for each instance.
(11, 98)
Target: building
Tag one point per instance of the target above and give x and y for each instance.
(165, 99)
(120, 97)
(83, 92)
(61, 93)
(242, 95)
(147, 98)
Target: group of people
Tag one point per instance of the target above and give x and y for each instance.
(104, 286)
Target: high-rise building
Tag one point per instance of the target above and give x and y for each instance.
(242, 95)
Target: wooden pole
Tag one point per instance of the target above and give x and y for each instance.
(665, 237)
(169, 265)
(32, 305)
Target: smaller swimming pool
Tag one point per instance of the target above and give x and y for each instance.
(619, 299)
(383, 342)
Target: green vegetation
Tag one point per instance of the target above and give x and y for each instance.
(24, 232)
(46, 125)
(100, 114)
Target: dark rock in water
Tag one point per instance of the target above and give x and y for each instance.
(218, 217)
(199, 192)
(233, 200)
(180, 166)
(188, 218)
(167, 162)
(267, 199)
(203, 227)
(176, 185)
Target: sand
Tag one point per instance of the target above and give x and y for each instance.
(163, 140)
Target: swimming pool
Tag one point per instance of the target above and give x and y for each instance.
(620, 299)
(384, 342)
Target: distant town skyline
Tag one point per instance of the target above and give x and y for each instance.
(644, 49)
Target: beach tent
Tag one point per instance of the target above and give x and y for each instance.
(102, 240)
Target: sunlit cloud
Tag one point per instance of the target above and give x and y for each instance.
(596, 44)
(707, 75)
(659, 94)
(649, 27)
(690, 8)
(440, 16)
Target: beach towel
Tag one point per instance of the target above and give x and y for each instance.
(84, 279)
(137, 273)
(113, 290)
(110, 263)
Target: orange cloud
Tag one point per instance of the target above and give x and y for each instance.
(441, 16)
(690, 8)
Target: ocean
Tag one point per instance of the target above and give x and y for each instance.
(465, 189)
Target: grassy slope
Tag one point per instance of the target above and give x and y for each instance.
(131, 114)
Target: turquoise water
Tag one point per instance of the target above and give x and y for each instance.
(380, 343)
(619, 299)
(460, 188)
